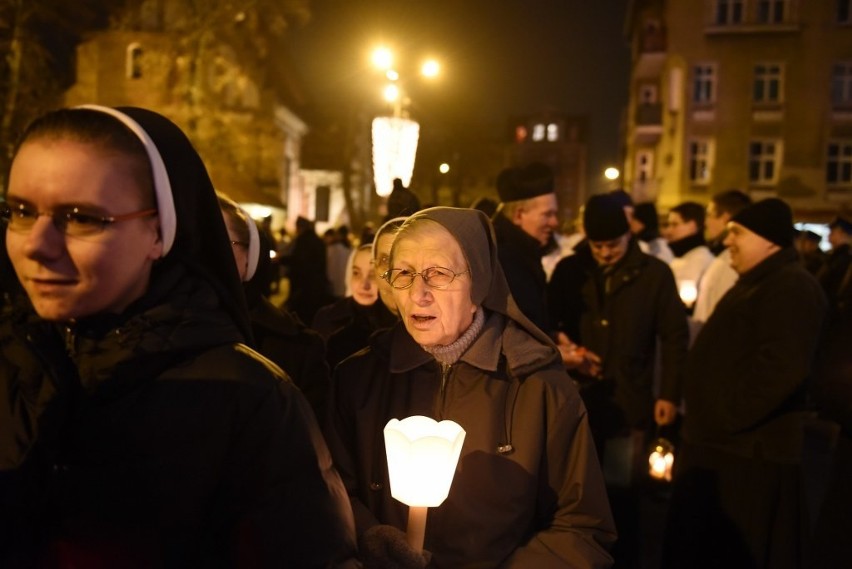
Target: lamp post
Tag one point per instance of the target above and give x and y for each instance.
(395, 137)
(422, 456)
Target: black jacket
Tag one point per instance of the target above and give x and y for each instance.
(622, 325)
(746, 372)
(295, 348)
(520, 256)
(347, 326)
(157, 439)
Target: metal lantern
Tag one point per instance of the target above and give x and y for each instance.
(661, 460)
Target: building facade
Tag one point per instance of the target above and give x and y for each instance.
(203, 66)
(748, 94)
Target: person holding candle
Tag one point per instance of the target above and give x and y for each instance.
(528, 491)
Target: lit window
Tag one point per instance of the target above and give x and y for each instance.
(704, 84)
(729, 12)
(838, 166)
(768, 83)
(538, 132)
(772, 11)
(700, 160)
(552, 132)
(764, 160)
(133, 63)
(841, 84)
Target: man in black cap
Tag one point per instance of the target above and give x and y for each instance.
(737, 478)
(524, 224)
(619, 305)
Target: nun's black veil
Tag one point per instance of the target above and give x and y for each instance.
(201, 240)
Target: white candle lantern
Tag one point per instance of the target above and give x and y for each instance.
(422, 456)
(688, 292)
(661, 460)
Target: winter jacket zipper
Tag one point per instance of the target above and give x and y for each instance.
(445, 375)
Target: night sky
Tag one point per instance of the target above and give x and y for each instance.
(499, 58)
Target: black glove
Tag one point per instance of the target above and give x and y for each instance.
(385, 547)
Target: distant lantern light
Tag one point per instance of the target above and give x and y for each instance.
(430, 68)
(611, 173)
(688, 292)
(444, 168)
(394, 150)
(392, 75)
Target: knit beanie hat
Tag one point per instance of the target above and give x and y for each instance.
(533, 180)
(604, 218)
(771, 218)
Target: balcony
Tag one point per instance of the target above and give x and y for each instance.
(648, 122)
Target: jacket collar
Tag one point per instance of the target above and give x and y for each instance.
(507, 231)
(786, 256)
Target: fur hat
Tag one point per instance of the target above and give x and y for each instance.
(604, 218)
(771, 218)
(533, 180)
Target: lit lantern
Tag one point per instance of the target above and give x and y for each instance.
(688, 292)
(422, 457)
(394, 149)
(661, 460)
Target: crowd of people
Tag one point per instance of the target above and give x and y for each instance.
(158, 409)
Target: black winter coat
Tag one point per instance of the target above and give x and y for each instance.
(295, 348)
(520, 256)
(746, 373)
(623, 326)
(157, 439)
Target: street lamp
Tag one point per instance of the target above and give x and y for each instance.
(395, 137)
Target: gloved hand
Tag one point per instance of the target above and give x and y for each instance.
(385, 547)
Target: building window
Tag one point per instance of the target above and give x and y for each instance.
(133, 62)
(700, 160)
(704, 84)
(538, 132)
(552, 132)
(838, 166)
(772, 11)
(644, 166)
(841, 84)
(764, 160)
(768, 83)
(844, 11)
(729, 12)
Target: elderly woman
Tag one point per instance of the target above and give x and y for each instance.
(381, 258)
(137, 428)
(528, 491)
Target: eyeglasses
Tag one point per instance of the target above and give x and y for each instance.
(435, 277)
(70, 221)
(382, 262)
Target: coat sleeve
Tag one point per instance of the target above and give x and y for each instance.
(294, 509)
(673, 336)
(581, 528)
(787, 322)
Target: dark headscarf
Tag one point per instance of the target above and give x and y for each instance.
(200, 239)
(473, 232)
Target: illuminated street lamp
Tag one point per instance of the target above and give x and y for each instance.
(395, 138)
(611, 173)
